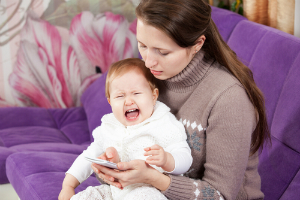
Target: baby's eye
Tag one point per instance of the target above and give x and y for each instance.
(137, 93)
(119, 96)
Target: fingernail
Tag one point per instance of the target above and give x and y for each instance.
(109, 155)
(111, 179)
(120, 165)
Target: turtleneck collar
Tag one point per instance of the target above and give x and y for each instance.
(191, 75)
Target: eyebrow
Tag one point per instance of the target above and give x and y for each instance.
(159, 48)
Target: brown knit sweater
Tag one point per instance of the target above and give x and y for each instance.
(219, 120)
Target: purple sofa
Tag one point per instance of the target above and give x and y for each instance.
(38, 145)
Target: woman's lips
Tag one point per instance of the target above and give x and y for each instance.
(156, 72)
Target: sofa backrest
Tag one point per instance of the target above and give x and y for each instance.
(225, 21)
(274, 58)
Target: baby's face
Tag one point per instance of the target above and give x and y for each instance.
(131, 98)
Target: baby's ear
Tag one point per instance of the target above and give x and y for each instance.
(108, 100)
(155, 94)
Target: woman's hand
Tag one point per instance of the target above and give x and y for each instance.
(110, 155)
(135, 171)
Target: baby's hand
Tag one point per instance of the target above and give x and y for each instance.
(157, 155)
(111, 155)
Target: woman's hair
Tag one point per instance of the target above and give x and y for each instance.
(185, 21)
(123, 66)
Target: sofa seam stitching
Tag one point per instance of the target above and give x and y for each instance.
(283, 85)
(285, 144)
(289, 183)
(295, 173)
(58, 128)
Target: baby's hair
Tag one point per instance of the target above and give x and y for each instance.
(123, 66)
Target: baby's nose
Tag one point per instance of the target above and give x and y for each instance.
(129, 101)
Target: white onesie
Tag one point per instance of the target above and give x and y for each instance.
(161, 128)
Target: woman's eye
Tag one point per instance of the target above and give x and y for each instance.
(142, 46)
(163, 53)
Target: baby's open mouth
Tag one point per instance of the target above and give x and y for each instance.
(132, 114)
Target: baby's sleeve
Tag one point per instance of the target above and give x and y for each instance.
(179, 147)
(81, 168)
(181, 153)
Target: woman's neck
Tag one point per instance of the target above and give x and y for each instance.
(191, 75)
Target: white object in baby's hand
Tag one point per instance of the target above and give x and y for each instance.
(102, 162)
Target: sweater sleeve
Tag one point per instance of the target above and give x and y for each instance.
(231, 123)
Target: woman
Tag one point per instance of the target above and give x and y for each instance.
(214, 95)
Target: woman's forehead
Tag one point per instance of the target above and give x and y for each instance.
(148, 34)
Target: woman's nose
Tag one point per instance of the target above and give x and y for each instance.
(150, 60)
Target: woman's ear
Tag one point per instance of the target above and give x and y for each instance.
(155, 95)
(199, 44)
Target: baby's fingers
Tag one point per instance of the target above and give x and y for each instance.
(152, 153)
(147, 149)
(155, 147)
(153, 160)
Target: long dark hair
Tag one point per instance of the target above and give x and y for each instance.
(185, 21)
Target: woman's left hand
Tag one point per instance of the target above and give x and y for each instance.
(136, 171)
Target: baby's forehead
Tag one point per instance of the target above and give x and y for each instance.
(129, 83)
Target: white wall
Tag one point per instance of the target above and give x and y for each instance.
(297, 19)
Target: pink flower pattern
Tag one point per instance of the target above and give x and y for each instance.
(52, 73)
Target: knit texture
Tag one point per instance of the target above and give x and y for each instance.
(219, 120)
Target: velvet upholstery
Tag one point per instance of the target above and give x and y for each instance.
(274, 58)
(38, 145)
(94, 99)
(42, 174)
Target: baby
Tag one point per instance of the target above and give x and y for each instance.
(138, 123)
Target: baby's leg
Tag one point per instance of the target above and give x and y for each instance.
(145, 193)
(101, 192)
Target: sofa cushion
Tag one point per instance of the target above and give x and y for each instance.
(39, 175)
(95, 103)
(274, 58)
(4, 153)
(254, 43)
(226, 21)
(50, 147)
(25, 116)
(72, 122)
(278, 167)
(32, 134)
(293, 191)
(286, 126)
(39, 129)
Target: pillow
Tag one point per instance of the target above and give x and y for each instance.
(95, 103)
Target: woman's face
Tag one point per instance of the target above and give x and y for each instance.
(161, 54)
